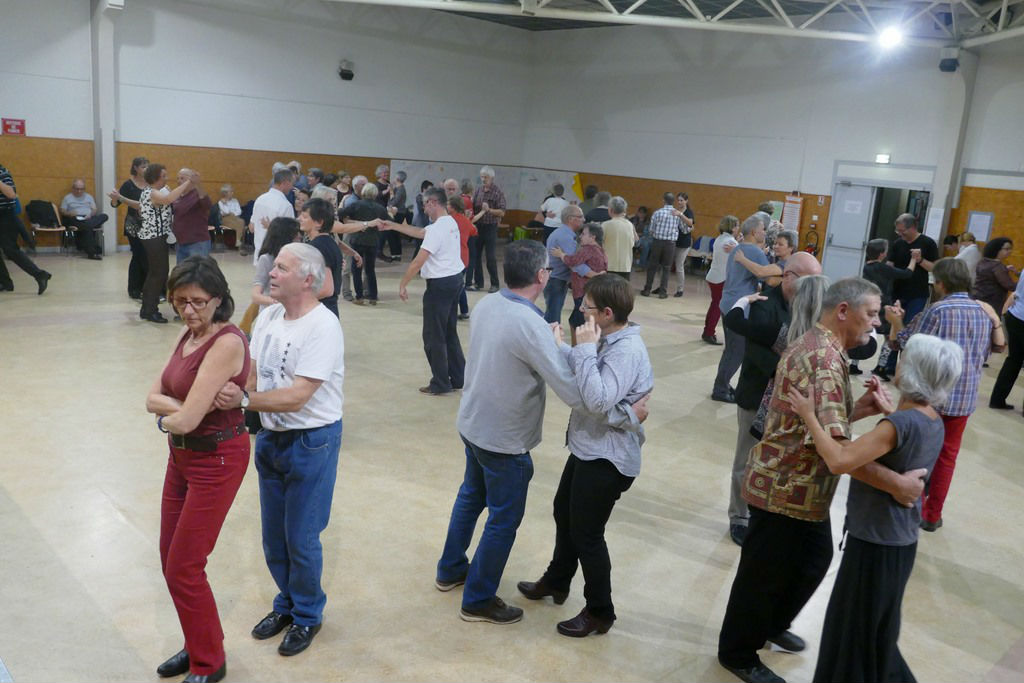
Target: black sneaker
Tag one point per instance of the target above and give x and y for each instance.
(738, 533)
(854, 370)
(445, 586)
(493, 289)
(787, 641)
(755, 674)
(495, 612)
(43, 279)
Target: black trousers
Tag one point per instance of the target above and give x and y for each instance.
(156, 273)
(859, 642)
(137, 268)
(487, 240)
(9, 231)
(369, 254)
(85, 235)
(782, 562)
(441, 335)
(583, 503)
(393, 238)
(1014, 359)
(662, 253)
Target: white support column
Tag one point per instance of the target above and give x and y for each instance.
(104, 108)
(957, 110)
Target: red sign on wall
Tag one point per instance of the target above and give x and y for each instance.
(14, 126)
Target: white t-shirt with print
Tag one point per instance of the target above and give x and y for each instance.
(313, 347)
(442, 241)
(555, 204)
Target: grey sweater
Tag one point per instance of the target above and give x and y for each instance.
(512, 355)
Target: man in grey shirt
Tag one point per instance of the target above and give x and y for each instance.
(512, 354)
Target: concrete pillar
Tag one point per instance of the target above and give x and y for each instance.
(104, 108)
(956, 114)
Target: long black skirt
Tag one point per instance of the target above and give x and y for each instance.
(862, 624)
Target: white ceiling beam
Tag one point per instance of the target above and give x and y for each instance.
(608, 6)
(733, 5)
(820, 13)
(977, 13)
(693, 9)
(921, 12)
(770, 10)
(854, 14)
(993, 37)
(642, 20)
(632, 7)
(867, 15)
(782, 13)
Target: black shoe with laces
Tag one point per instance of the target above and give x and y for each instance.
(494, 612)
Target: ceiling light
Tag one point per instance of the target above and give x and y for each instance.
(890, 37)
(881, 158)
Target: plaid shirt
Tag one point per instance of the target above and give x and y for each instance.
(495, 199)
(665, 224)
(960, 319)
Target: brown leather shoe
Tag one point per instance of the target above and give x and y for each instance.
(539, 589)
(583, 624)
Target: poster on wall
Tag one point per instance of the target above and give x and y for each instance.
(980, 223)
(791, 212)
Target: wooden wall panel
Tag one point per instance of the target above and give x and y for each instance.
(43, 168)
(248, 171)
(1008, 207)
(710, 203)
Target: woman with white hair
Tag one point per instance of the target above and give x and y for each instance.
(862, 623)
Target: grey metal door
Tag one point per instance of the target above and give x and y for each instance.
(848, 224)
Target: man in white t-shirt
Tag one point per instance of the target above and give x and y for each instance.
(439, 261)
(552, 210)
(298, 364)
(270, 205)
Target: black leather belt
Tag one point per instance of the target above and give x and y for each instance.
(206, 442)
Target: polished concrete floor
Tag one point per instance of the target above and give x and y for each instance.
(80, 477)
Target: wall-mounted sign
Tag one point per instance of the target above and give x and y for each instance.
(13, 126)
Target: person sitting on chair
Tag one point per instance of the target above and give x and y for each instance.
(78, 209)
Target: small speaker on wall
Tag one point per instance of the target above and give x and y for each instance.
(345, 70)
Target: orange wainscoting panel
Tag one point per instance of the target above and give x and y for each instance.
(1007, 207)
(248, 171)
(43, 168)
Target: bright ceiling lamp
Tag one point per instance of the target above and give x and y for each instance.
(890, 37)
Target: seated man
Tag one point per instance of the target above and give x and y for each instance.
(78, 209)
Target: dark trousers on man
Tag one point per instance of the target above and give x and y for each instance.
(85, 232)
(487, 240)
(1014, 359)
(782, 562)
(729, 363)
(662, 253)
(441, 335)
(156, 274)
(10, 248)
(583, 503)
(393, 238)
(137, 267)
(369, 254)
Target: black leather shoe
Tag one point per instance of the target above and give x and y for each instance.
(297, 639)
(755, 674)
(710, 339)
(1000, 406)
(270, 626)
(787, 641)
(539, 589)
(175, 666)
(724, 398)
(738, 533)
(154, 318)
(931, 526)
(217, 675)
(95, 257)
(43, 279)
(583, 624)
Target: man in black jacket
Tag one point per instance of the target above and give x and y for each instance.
(760, 319)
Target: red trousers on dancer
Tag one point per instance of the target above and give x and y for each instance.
(942, 475)
(714, 313)
(199, 488)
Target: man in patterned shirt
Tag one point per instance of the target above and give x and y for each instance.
(488, 207)
(666, 223)
(976, 328)
(789, 488)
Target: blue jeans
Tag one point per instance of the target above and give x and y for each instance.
(297, 471)
(554, 299)
(498, 482)
(183, 251)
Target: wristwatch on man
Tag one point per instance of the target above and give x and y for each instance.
(245, 399)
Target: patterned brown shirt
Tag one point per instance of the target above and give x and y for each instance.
(784, 472)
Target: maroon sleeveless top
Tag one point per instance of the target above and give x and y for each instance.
(181, 372)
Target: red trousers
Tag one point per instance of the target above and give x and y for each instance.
(199, 488)
(942, 474)
(714, 313)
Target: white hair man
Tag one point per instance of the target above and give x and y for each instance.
(295, 383)
(488, 208)
(619, 238)
(270, 205)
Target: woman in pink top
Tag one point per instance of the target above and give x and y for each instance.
(209, 453)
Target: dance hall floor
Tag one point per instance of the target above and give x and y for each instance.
(82, 468)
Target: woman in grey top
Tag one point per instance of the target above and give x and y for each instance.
(862, 623)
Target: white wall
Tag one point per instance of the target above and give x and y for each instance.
(729, 109)
(995, 140)
(428, 85)
(46, 75)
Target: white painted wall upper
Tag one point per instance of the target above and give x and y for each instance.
(728, 109)
(994, 140)
(428, 85)
(46, 75)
